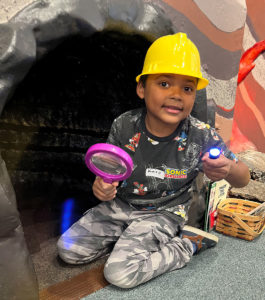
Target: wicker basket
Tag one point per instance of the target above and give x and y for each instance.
(232, 219)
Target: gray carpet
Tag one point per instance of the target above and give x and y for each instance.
(234, 269)
(41, 231)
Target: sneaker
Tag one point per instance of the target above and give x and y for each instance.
(200, 239)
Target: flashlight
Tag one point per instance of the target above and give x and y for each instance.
(214, 153)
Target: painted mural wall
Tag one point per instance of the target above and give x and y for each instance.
(249, 113)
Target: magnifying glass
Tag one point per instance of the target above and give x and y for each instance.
(214, 153)
(109, 162)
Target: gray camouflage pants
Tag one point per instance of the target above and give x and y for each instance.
(142, 244)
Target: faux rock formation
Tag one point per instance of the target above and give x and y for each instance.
(256, 162)
(255, 190)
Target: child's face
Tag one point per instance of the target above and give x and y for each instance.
(169, 99)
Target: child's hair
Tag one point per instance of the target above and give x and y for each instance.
(142, 80)
(173, 54)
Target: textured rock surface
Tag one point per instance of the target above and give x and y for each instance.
(256, 162)
(255, 191)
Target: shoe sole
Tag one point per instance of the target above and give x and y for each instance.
(201, 233)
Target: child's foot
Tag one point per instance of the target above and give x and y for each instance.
(200, 239)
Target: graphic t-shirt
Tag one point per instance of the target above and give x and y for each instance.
(164, 168)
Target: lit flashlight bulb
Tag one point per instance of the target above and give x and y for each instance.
(214, 153)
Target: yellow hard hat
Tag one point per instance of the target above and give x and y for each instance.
(174, 54)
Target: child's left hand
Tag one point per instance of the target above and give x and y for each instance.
(216, 169)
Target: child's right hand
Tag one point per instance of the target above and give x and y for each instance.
(104, 191)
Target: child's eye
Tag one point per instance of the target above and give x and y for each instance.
(164, 84)
(188, 89)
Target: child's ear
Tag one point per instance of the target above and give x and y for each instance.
(140, 90)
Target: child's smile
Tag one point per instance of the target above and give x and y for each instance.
(173, 109)
(169, 99)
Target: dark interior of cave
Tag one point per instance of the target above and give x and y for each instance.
(65, 104)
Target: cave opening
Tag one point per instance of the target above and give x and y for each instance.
(66, 103)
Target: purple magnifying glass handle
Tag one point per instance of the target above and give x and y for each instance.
(109, 162)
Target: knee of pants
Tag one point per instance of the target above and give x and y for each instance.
(65, 253)
(119, 277)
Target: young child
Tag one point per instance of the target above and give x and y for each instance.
(140, 224)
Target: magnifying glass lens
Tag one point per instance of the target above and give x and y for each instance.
(108, 163)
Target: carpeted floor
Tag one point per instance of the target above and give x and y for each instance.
(42, 231)
(234, 269)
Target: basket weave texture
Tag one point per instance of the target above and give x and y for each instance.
(232, 219)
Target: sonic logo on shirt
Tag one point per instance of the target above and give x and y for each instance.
(175, 173)
(167, 173)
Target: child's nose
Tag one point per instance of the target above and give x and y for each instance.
(175, 92)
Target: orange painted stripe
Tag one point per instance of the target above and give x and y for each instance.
(256, 91)
(256, 13)
(249, 103)
(231, 41)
